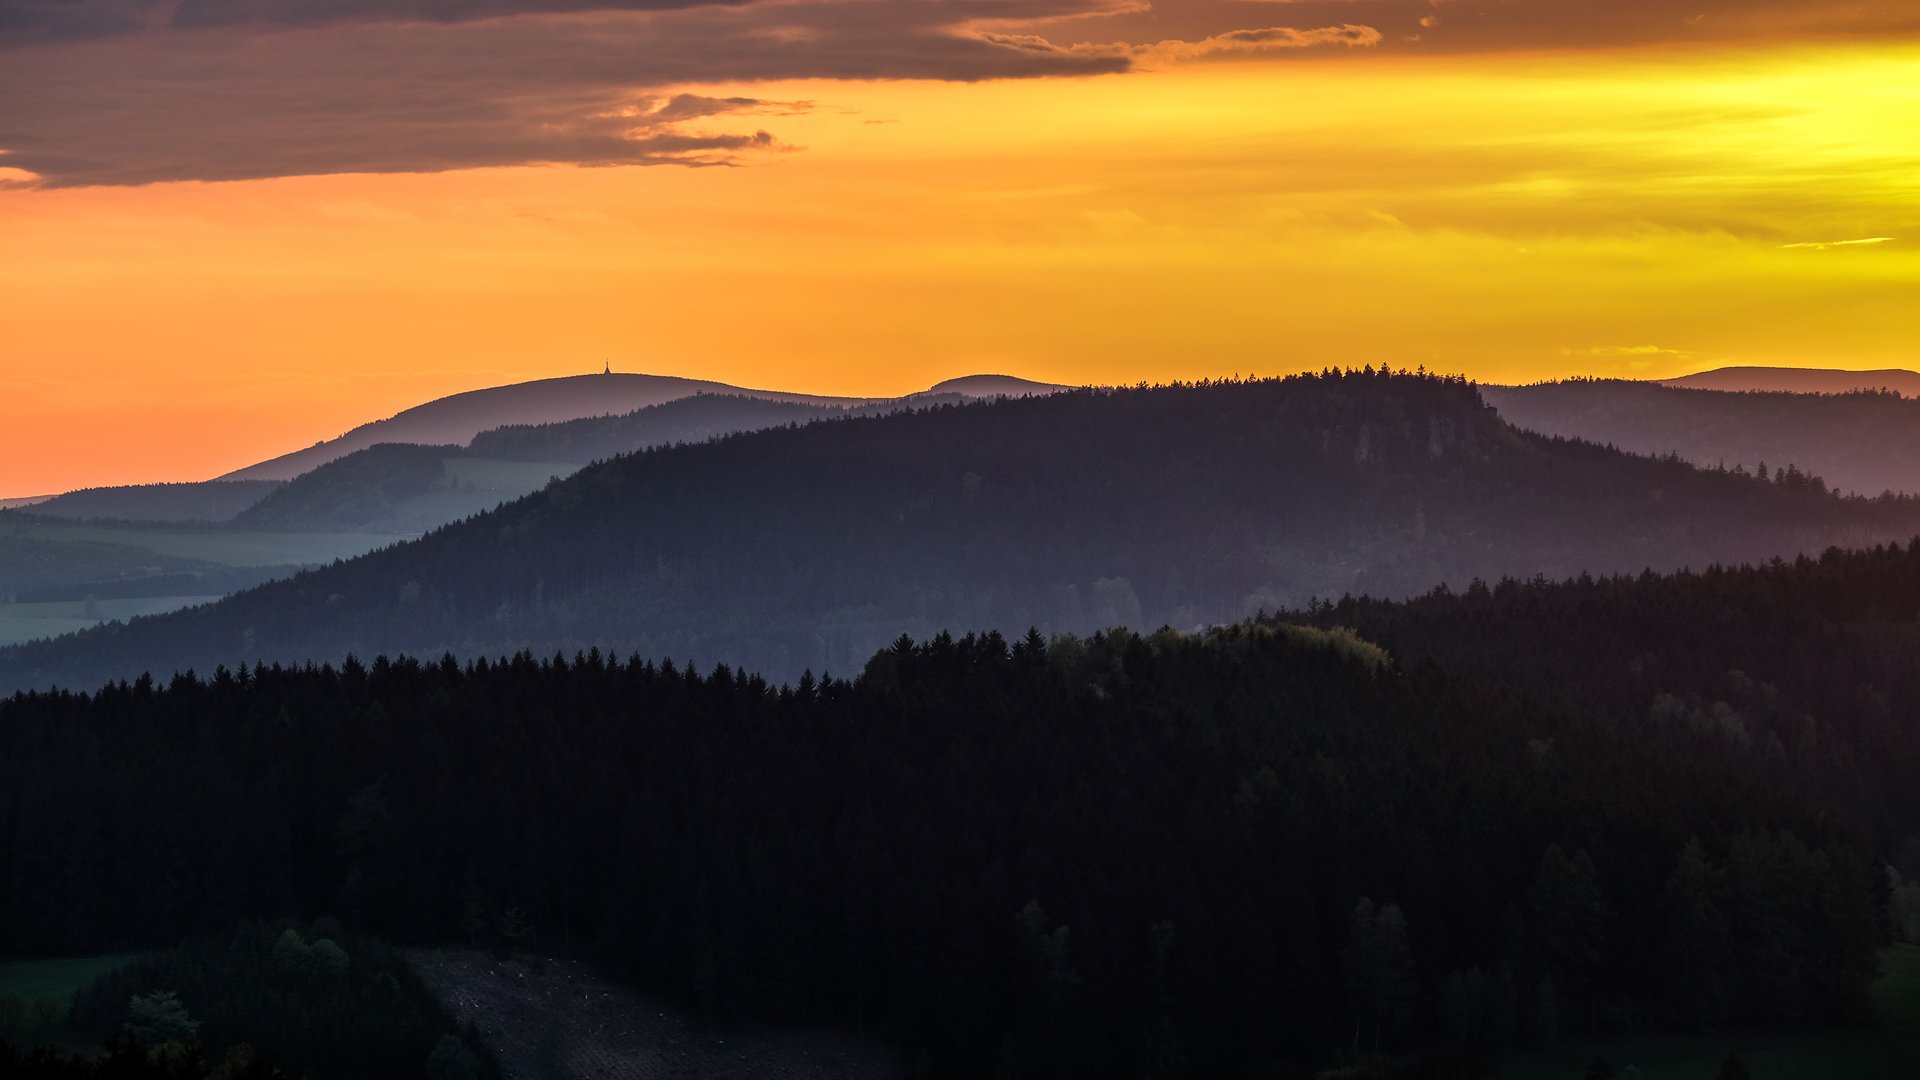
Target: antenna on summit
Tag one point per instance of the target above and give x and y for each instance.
(606, 367)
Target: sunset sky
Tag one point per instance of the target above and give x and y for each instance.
(230, 228)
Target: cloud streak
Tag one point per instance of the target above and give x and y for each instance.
(1829, 245)
(1266, 39)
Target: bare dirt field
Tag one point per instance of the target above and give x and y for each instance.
(563, 1021)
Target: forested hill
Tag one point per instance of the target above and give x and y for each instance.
(809, 547)
(213, 500)
(1865, 441)
(457, 418)
(1251, 852)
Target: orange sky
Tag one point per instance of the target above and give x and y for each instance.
(1515, 215)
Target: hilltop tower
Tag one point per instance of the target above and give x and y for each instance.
(606, 367)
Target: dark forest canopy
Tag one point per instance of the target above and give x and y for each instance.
(1248, 852)
(811, 546)
(1866, 441)
(1803, 670)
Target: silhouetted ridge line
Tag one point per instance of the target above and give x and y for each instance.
(1186, 505)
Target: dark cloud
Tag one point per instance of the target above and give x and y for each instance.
(240, 103)
(27, 21)
(138, 91)
(1493, 25)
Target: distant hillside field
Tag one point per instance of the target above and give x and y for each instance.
(457, 419)
(1864, 441)
(809, 547)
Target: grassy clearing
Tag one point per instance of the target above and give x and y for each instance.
(1888, 1050)
(557, 1018)
(31, 622)
(35, 996)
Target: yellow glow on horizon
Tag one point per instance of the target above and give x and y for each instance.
(1511, 218)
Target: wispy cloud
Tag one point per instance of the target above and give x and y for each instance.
(1626, 351)
(1828, 245)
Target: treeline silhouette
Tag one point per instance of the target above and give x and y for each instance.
(812, 546)
(1252, 851)
(1865, 441)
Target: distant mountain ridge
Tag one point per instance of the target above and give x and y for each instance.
(811, 546)
(456, 419)
(1798, 380)
(409, 488)
(683, 420)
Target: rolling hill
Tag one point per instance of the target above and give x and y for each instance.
(1861, 441)
(404, 488)
(990, 386)
(692, 419)
(214, 500)
(401, 489)
(809, 547)
(1801, 380)
(459, 417)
